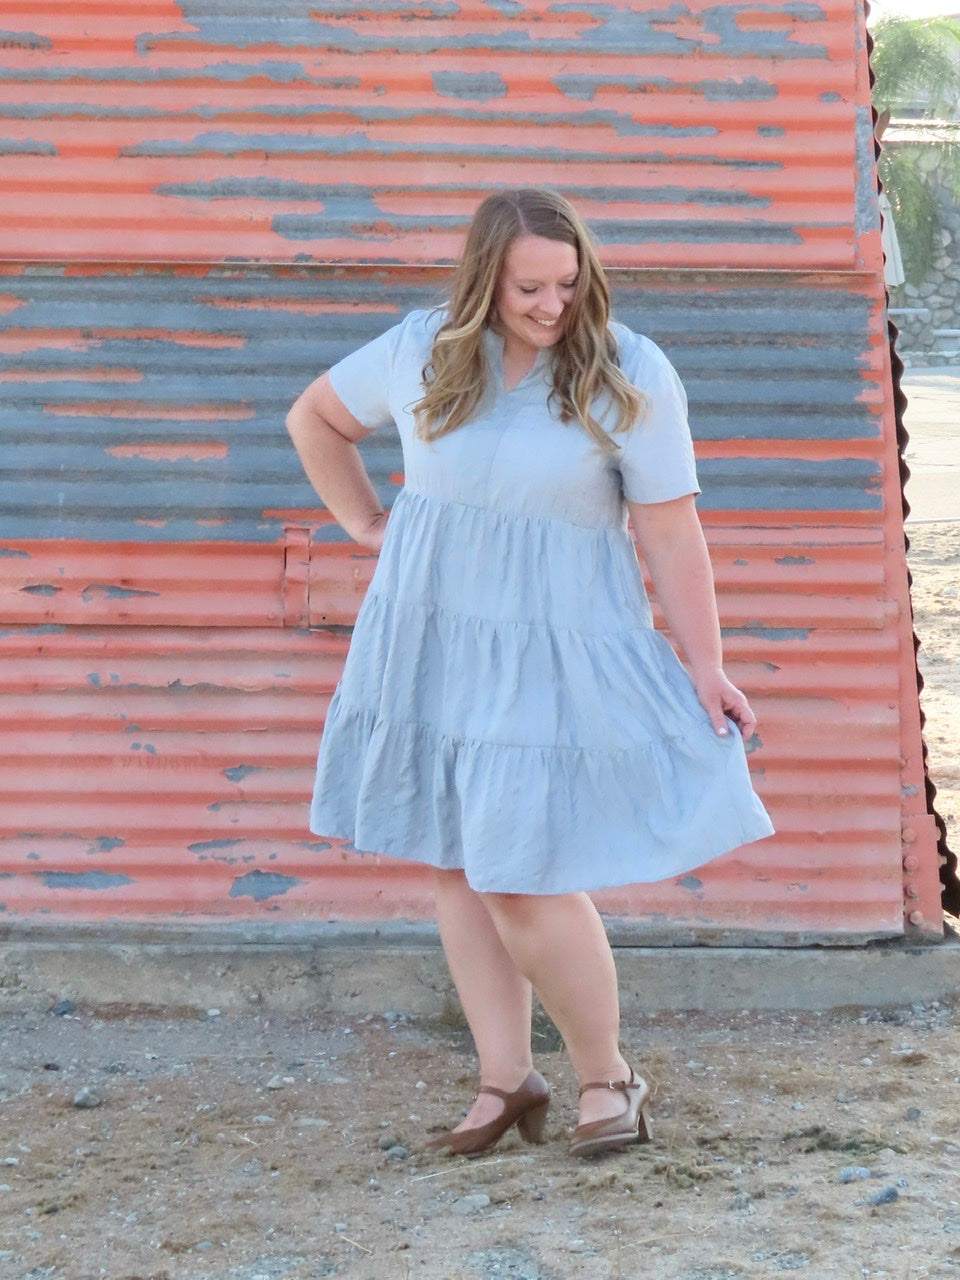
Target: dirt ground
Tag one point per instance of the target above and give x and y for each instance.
(935, 566)
(230, 1146)
(234, 1147)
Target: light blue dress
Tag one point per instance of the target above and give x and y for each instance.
(506, 706)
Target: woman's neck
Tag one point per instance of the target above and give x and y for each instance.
(517, 363)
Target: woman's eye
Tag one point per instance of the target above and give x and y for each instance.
(527, 289)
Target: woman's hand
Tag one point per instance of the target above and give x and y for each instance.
(672, 543)
(719, 698)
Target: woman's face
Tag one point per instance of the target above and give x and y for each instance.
(536, 286)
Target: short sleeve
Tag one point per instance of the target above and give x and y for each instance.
(656, 461)
(369, 380)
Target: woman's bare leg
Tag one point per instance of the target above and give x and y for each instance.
(495, 996)
(559, 943)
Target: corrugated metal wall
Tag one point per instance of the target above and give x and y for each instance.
(204, 203)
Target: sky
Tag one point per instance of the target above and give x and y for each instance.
(913, 8)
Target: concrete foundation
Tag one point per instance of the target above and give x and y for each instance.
(356, 970)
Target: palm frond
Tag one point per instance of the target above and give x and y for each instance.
(916, 58)
(916, 213)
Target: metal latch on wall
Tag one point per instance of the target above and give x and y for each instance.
(324, 582)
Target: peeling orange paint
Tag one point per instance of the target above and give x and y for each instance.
(307, 515)
(14, 341)
(74, 375)
(799, 450)
(302, 306)
(716, 153)
(136, 409)
(163, 451)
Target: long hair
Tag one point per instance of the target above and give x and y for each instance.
(584, 359)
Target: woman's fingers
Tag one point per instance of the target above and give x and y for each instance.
(722, 700)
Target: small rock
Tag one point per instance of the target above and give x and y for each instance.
(373, 1184)
(696, 1066)
(386, 1141)
(472, 1203)
(398, 1152)
(799, 1106)
(339, 1226)
(264, 1120)
(10, 1161)
(421, 1084)
(5, 1187)
(866, 1062)
(887, 1196)
(213, 1013)
(844, 1097)
(853, 1173)
(63, 1008)
(276, 1082)
(742, 1203)
(312, 1122)
(912, 1114)
(86, 1098)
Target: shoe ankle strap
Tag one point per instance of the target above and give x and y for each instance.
(497, 1093)
(619, 1086)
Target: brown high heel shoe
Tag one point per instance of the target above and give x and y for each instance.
(526, 1107)
(632, 1125)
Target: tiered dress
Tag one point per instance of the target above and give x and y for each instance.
(506, 706)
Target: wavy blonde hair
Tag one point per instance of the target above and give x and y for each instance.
(585, 357)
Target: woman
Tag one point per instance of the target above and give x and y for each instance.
(507, 714)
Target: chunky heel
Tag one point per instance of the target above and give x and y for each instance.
(526, 1108)
(644, 1126)
(532, 1123)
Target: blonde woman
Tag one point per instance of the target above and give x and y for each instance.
(507, 714)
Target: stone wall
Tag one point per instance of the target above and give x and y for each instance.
(924, 313)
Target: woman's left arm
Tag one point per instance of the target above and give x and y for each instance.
(672, 544)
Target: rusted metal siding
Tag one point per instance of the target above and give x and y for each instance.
(174, 610)
(707, 134)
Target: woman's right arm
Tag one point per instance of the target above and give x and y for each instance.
(325, 434)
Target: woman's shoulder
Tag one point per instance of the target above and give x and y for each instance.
(637, 353)
(418, 328)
